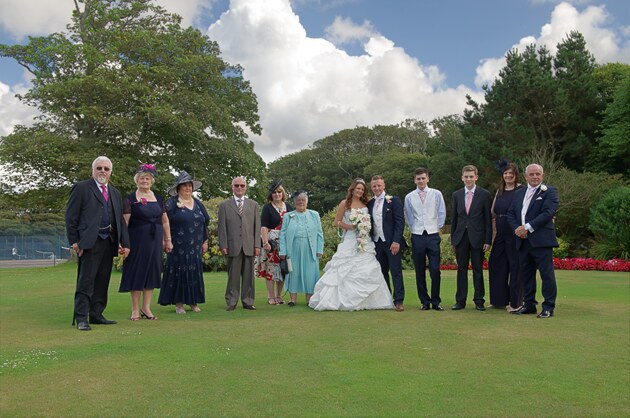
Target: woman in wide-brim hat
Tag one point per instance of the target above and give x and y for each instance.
(182, 281)
(267, 264)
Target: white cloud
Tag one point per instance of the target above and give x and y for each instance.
(42, 17)
(13, 111)
(343, 31)
(307, 88)
(601, 41)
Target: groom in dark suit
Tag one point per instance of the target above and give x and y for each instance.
(388, 223)
(95, 229)
(471, 235)
(531, 217)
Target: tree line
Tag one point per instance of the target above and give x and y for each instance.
(128, 81)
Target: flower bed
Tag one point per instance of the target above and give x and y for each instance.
(616, 264)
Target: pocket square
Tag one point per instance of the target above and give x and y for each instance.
(540, 198)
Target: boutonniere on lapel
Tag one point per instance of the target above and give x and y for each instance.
(292, 215)
(543, 188)
(388, 198)
(179, 204)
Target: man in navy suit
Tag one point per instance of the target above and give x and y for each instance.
(531, 217)
(95, 228)
(388, 223)
(471, 235)
(425, 213)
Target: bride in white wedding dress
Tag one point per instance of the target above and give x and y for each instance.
(352, 279)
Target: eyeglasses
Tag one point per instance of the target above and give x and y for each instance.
(103, 168)
(238, 185)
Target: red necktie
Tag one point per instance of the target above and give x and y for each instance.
(105, 195)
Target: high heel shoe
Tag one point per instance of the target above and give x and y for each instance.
(135, 318)
(152, 318)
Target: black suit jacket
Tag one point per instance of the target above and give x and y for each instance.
(540, 212)
(393, 221)
(84, 211)
(478, 222)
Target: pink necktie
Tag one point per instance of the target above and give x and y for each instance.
(378, 202)
(105, 195)
(468, 201)
(529, 196)
(423, 195)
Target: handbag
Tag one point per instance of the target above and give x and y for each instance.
(286, 266)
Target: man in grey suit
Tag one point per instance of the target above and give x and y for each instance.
(239, 240)
(471, 235)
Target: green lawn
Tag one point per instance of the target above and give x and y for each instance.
(293, 361)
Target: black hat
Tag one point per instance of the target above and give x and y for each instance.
(501, 165)
(183, 178)
(272, 187)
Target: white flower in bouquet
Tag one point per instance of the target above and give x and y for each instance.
(362, 223)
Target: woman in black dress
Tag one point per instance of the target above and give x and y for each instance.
(182, 281)
(267, 264)
(149, 233)
(506, 287)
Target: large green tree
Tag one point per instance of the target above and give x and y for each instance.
(128, 81)
(539, 101)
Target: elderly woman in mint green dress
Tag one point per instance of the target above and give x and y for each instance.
(302, 242)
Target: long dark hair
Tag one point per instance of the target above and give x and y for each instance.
(514, 168)
(364, 198)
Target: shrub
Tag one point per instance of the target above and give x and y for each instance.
(562, 251)
(610, 223)
(331, 237)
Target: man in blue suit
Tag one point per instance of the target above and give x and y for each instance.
(531, 217)
(388, 223)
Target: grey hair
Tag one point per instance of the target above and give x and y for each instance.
(535, 165)
(142, 173)
(102, 158)
(303, 194)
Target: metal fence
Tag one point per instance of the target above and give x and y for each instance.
(34, 247)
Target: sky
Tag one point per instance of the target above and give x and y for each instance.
(320, 66)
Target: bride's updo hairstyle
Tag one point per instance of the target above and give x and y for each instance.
(353, 186)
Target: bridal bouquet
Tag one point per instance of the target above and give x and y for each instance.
(363, 225)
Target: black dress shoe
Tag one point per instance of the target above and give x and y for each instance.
(458, 306)
(480, 307)
(524, 311)
(230, 308)
(438, 308)
(425, 307)
(102, 321)
(545, 314)
(249, 307)
(83, 326)
(291, 304)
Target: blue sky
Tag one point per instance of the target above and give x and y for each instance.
(318, 66)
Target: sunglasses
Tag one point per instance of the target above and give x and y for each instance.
(238, 185)
(103, 168)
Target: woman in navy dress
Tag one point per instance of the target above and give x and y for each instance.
(182, 281)
(506, 287)
(149, 233)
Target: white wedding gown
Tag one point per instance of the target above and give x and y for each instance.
(352, 280)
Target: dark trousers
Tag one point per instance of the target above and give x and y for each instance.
(530, 259)
(94, 272)
(240, 280)
(504, 277)
(393, 263)
(464, 252)
(422, 247)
